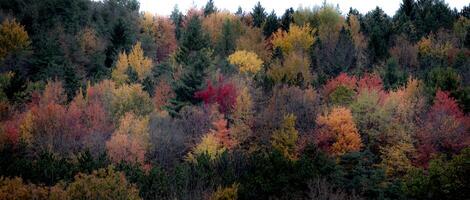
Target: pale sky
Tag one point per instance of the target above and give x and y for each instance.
(164, 7)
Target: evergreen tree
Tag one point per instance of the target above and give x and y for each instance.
(271, 25)
(226, 44)
(177, 18)
(287, 18)
(209, 8)
(433, 15)
(377, 26)
(195, 57)
(259, 15)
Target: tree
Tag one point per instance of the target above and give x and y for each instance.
(433, 15)
(286, 19)
(163, 94)
(130, 98)
(13, 38)
(378, 28)
(223, 93)
(135, 61)
(271, 25)
(248, 62)
(209, 8)
(209, 146)
(444, 129)
(294, 70)
(337, 133)
(285, 138)
(253, 40)
(259, 15)
(298, 39)
(102, 184)
(166, 39)
(195, 57)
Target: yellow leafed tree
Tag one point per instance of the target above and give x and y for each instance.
(136, 61)
(119, 73)
(247, 62)
(13, 37)
(299, 38)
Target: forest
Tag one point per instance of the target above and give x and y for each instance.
(100, 100)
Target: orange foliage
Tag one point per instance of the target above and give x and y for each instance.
(163, 93)
(337, 133)
(222, 133)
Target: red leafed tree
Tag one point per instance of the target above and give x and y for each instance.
(370, 82)
(223, 93)
(342, 80)
(445, 129)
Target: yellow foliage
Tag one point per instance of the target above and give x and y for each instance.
(130, 98)
(15, 189)
(136, 61)
(141, 64)
(293, 66)
(298, 39)
(135, 126)
(396, 159)
(285, 138)
(13, 37)
(148, 23)
(119, 73)
(209, 145)
(228, 193)
(247, 62)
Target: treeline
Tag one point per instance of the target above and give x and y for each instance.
(101, 101)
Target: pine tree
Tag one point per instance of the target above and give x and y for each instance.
(195, 57)
(259, 15)
(209, 8)
(287, 19)
(226, 44)
(271, 24)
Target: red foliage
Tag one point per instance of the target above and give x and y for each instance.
(11, 130)
(445, 130)
(444, 104)
(370, 82)
(223, 93)
(342, 80)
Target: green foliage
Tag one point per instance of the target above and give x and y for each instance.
(342, 96)
(259, 15)
(285, 138)
(444, 179)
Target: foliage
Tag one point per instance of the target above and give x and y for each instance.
(248, 62)
(102, 184)
(13, 37)
(224, 94)
(298, 39)
(285, 138)
(337, 133)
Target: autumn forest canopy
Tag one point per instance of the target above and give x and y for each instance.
(99, 100)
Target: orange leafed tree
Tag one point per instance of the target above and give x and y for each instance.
(337, 133)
